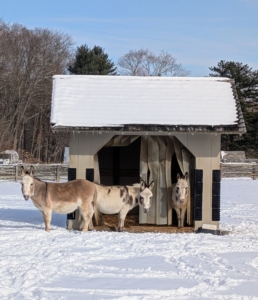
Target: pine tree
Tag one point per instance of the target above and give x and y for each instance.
(91, 62)
(246, 81)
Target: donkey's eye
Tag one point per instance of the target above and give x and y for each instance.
(177, 189)
(31, 184)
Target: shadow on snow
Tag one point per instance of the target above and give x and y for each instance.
(30, 216)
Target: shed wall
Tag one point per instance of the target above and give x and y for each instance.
(205, 148)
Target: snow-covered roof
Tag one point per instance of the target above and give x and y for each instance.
(116, 101)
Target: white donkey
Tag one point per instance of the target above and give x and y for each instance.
(121, 199)
(180, 197)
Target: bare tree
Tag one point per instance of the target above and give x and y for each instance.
(143, 62)
(28, 60)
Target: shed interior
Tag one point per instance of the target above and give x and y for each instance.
(120, 165)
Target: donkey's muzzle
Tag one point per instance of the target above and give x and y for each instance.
(145, 210)
(26, 197)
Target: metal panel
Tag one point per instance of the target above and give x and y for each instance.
(197, 194)
(71, 176)
(216, 190)
(90, 174)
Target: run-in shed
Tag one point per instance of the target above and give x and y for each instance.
(126, 128)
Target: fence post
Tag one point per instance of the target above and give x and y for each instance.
(57, 174)
(16, 172)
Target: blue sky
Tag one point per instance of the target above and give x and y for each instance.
(199, 33)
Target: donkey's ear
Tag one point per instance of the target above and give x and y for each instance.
(151, 185)
(186, 176)
(143, 185)
(31, 171)
(22, 171)
(178, 176)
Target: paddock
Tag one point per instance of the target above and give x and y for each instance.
(111, 265)
(123, 129)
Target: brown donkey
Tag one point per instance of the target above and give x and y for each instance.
(62, 198)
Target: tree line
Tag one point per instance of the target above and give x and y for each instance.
(30, 57)
(246, 81)
(28, 60)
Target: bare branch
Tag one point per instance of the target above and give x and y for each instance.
(143, 62)
(28, 60)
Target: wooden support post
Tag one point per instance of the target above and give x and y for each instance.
(16, 172)
(57, 173)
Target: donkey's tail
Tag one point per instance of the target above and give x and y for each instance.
(95, 206)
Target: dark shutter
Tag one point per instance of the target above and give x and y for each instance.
(90, 174)
(71, 176)
(216, 175)
(197, 194)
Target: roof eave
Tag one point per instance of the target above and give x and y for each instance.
(161, 129)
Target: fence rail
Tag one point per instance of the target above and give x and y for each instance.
(44, 172)
(239, 170)
(59, 172)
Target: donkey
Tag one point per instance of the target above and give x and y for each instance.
(62, 198)
(121, 199)
(179, 197)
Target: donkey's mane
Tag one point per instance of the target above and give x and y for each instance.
(38, 179)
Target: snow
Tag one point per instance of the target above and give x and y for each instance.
(222, 154)
(111, 265)
(96, 101)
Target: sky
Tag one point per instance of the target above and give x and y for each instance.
(198, 33)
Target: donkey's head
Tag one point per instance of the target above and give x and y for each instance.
(27, 182)
(146, 195)
(181, 187)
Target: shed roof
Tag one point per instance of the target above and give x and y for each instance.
(145, 103)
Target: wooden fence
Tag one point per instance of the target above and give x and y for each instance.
(239, 170)
(44, 172)
(59, 172)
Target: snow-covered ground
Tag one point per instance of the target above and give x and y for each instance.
(109, 265)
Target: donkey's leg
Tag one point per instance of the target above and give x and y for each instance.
(122, 214)
(91, 227)
(87, 212)
(183, 210)
(47, 215)
(86, 217)
(178, 216)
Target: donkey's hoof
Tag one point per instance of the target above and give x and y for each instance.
(121, 229)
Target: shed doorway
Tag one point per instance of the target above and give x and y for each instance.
(126, 160)
(120, 165)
